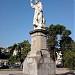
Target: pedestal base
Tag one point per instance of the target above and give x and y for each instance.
(39, 64)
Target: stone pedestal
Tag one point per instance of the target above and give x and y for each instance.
(38, 61)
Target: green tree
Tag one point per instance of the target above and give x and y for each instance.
(64, 44)
(53, 42)
(3, 53)
(23, 48)
(69, 57)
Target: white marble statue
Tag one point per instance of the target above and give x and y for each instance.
(59, 57)
(38, 21)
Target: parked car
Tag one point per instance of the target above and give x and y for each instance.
(1, 66)
(14, 65)
(4, 66)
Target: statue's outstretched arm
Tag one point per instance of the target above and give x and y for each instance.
(32, 5)
(30, 1)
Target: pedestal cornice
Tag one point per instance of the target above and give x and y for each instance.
(38, 30)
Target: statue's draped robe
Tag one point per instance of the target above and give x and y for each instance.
(38, 15)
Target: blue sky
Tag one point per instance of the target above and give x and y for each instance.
(16, 18)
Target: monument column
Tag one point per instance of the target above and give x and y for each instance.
(38, 40)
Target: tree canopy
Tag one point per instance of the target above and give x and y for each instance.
(59, 40)
(22, 49)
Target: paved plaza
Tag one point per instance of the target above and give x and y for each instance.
(58, 71)
(10, 72)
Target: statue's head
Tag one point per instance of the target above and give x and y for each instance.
(36, 1)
